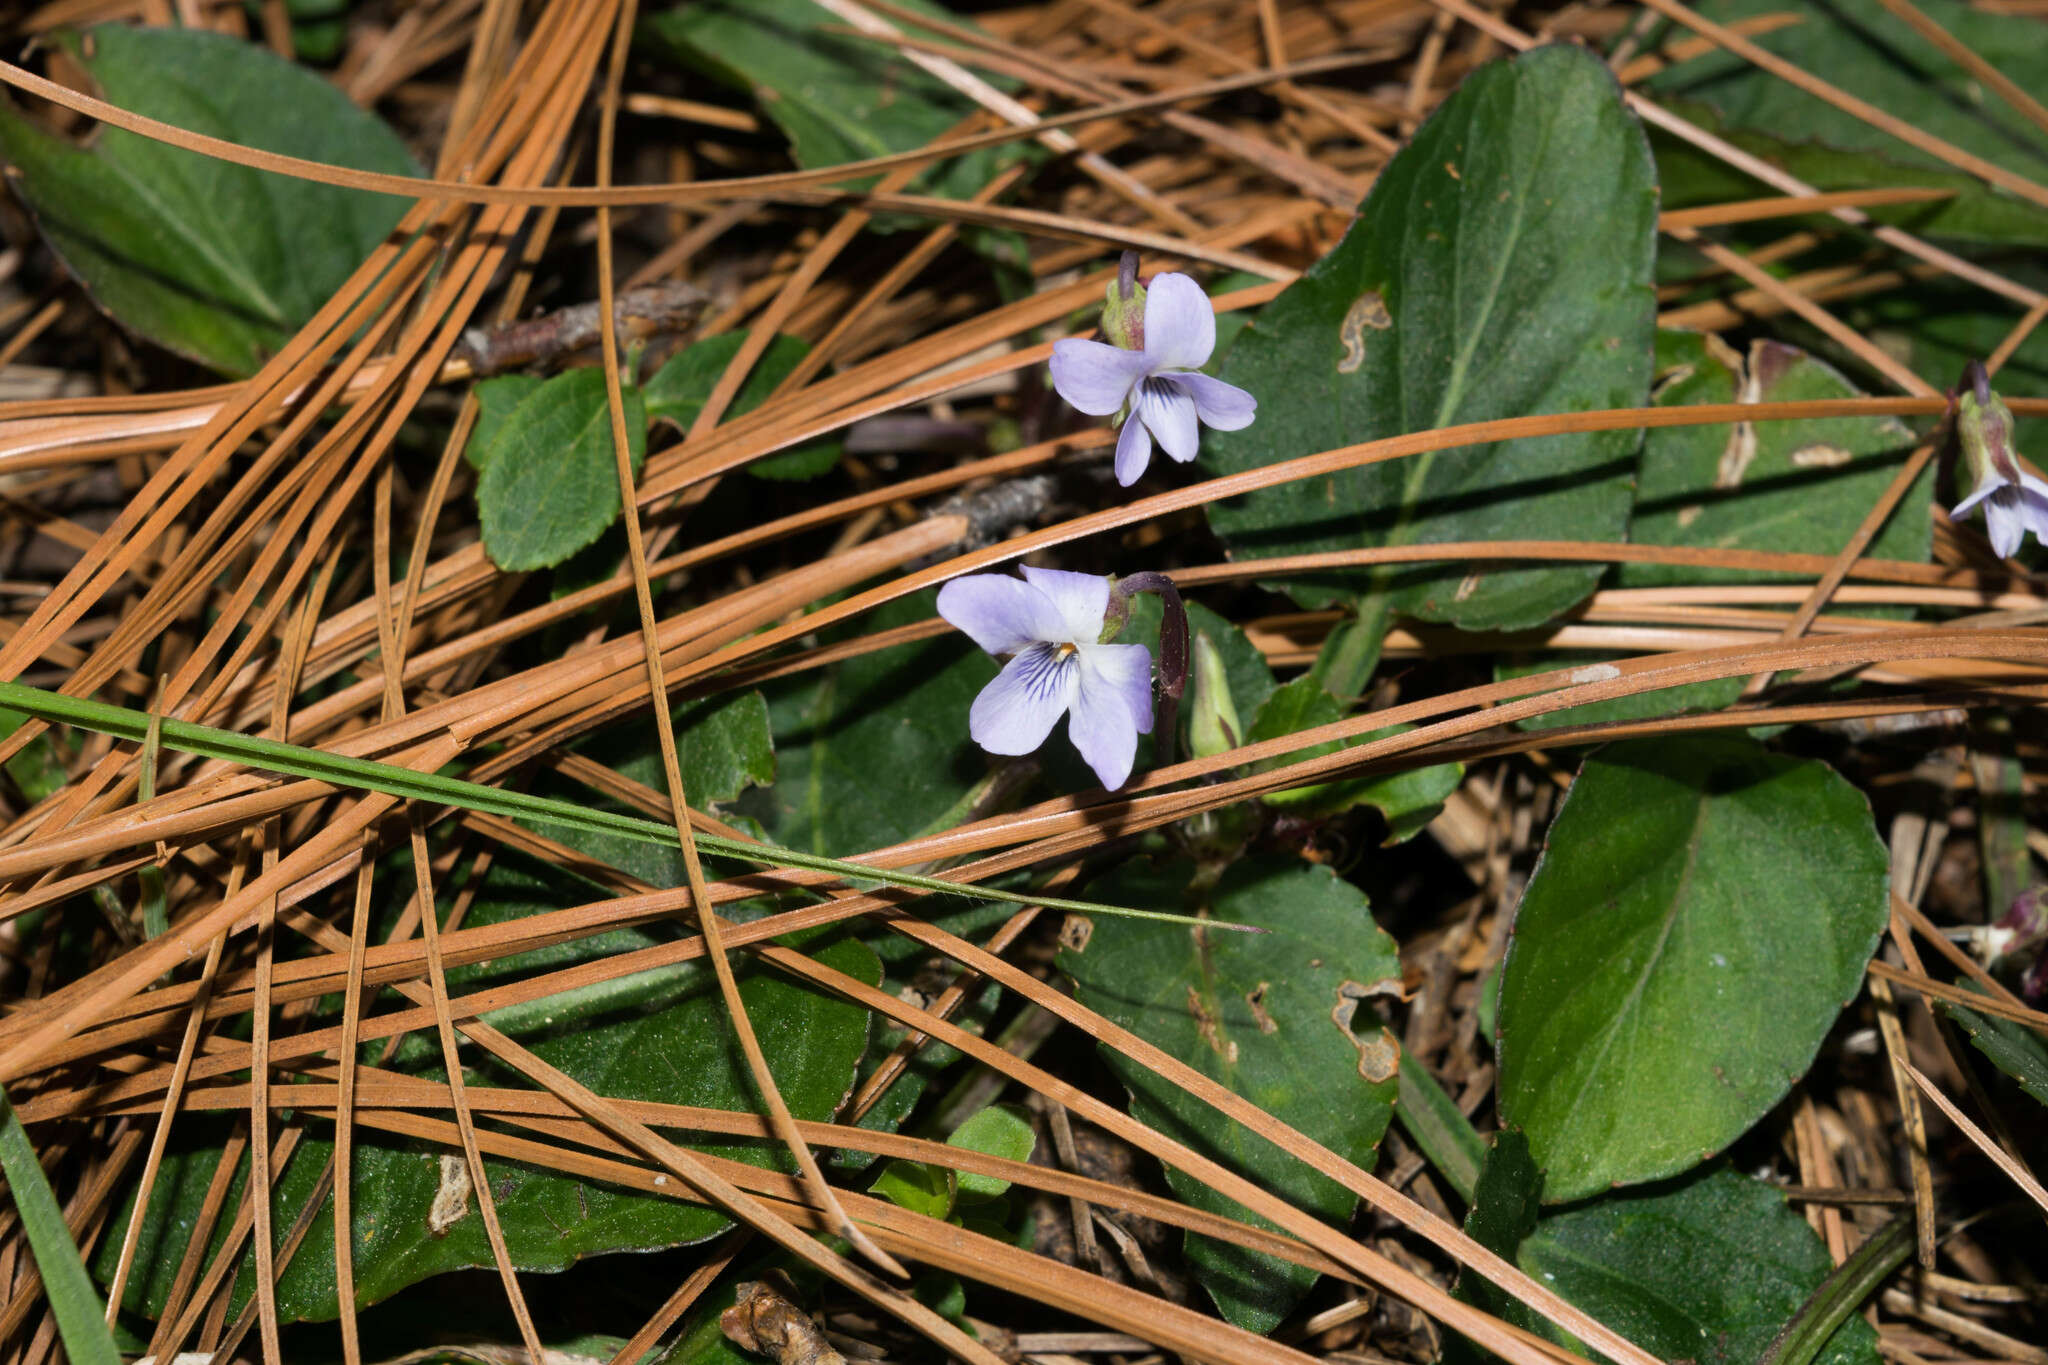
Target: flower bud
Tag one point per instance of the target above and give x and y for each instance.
(2024, 925)
(2027, 917)
(1123, 308)
(2012, 501)
(1212, 720)
(1984, 430)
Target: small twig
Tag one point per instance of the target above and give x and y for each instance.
(650, 310)
(992, 513)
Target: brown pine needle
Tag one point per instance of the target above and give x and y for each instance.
(244, 539)
(1999, 1157)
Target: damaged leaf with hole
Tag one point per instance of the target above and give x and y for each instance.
(1801, 486)
(1255, 1013)
(1520, 287)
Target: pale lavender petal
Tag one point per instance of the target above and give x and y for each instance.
(1123, 671)
(1180, 326)
(2034, 506)
(1018, 709)
(1986, 486)
(2003, 522)
(1095, 378)
(1223, 406)
(1133, 450)
(1002, 614)
(1082, 599)
(1104, 725)
(1169, 410)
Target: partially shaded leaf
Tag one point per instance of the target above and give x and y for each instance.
(1281, 1018)
(212, 260)
(677, 391)
(1499, 268)
(1509, 1196)
(1702, 910)
(1705, 1269)
(1506, 1202)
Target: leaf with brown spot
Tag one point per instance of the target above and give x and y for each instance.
(1502, 287)
(1254, 1012)
(1768, 489)
(1753, 486)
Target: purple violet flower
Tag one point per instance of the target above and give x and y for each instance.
(2014, 501)
(1157, 382)
(1050, 622)
(2011, 509)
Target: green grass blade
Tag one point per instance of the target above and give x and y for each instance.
(338, 770)
(155, 908)
(1850, 1283)
(1433, 1119)
(81, 1317)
